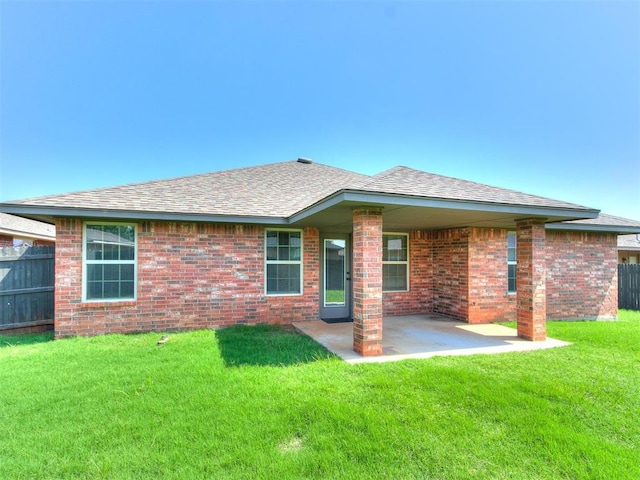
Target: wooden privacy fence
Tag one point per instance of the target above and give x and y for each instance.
(629, 286)
(26, 286)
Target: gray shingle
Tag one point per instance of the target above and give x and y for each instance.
(280, 190)
(606, 221)
(629, 242)
(407, 181)
(274, 190)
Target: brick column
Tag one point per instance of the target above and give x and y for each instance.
(531, 297)
(367, 281)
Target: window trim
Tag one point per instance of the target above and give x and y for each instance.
(85, 262)
(397, 262)
(284, 262)
(512, 262)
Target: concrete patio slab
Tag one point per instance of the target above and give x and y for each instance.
(423, 336)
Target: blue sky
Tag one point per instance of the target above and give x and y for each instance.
(539, 96)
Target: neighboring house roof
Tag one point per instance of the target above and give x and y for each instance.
(20, 227)
(629, 242)
(303, 193)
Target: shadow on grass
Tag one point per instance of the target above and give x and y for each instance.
(267, 345)
(25, 339)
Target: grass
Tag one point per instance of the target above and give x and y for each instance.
(334, 296)
(265, 402)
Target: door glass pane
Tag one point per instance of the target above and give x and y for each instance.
(334, 272)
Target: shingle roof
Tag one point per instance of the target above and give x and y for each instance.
(274, 190)
(603, 222)
(280, 190)
(24, 227)
(607, 221)
(408, 181)
(628, 242)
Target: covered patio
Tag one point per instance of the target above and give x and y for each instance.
(423, 336)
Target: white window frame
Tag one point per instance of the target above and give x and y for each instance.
(512, 262)
(284, 262)
(86, 262)
(397, 262)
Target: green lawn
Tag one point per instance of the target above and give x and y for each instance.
(263, 402)
(334, 296)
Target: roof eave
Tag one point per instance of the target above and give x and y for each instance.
(46, 212)
(585, 227)
(382, 199)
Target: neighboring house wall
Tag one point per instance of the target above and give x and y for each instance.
(10, 241)
(189, 276)
(6, 241)
(629, 256)
(582, 275)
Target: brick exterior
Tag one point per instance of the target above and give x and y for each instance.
(582, 275)
(367, 281)
(488, 297)
(189, 276)
(531, 298)
(210, 275)
(450, 255)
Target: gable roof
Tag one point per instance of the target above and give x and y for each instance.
(276, 191)
(15, 226)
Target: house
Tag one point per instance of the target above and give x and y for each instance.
(629, 249)
(298, 240)
(16, 231)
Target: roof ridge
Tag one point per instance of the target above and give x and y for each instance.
(378, 176)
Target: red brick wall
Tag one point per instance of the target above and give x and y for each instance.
(419, 297)
(488, 297)
(204, 275)
(531, 279)
(6, 241)
(582, 275)
(450, 271)
(189, 276)
(367, 281)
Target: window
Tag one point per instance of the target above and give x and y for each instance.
(395, 262)
(283, 262)
(511, 262)
(109, 267)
